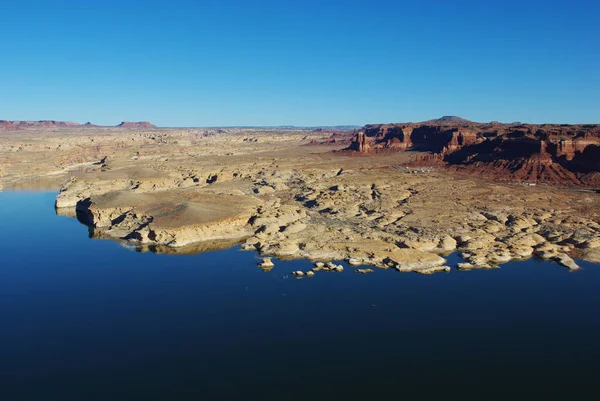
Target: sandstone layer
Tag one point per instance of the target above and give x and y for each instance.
(546, 153)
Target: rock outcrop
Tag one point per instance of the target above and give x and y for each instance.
(550, 153)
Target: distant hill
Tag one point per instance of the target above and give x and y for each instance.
(18, 125)
(448, 120)
(49, 124)
(138, 124)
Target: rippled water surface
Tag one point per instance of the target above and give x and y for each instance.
(84, 319)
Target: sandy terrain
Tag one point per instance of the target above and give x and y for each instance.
(191, 190)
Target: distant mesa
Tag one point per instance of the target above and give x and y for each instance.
(545, 153)
(138, 124)
(49, 124)
(448, 120)
(16, 125)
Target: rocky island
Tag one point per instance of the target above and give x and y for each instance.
(388, 195)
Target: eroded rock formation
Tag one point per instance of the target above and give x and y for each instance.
(180, 191)
(557, 154)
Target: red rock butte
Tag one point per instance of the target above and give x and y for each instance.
(550, 153)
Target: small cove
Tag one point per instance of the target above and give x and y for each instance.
(91, 319)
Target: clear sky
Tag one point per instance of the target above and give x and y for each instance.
(287, 62)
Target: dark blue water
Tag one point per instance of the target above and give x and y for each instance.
(84, 319)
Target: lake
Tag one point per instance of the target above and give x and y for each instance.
(86, 319)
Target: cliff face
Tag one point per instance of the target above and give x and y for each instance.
(558, 154)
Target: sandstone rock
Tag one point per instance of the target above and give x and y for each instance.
(248, 247)
(432, 270)
(592, 243)
(409, 259)
(471, 266)
(493, 227)
(421, 244)
(591, 255)
(355, 261)
(548, 250)
(266, 263)
(447, 244)
(364, 271)
(265, 189)
(478, 241)
(519, 223)
(295, 228)
(283, 248)
(522, 251)
(310, 273)
(566, 261)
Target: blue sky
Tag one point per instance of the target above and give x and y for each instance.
(211, 63)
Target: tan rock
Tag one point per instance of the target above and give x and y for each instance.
(447, 244)
(432, 270)
(295, 228)
(266, 263)
(566, 261)
(478, 241)
(355, 261)
(591, 255)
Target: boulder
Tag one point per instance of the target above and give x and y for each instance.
(266, 263)
(566, 261)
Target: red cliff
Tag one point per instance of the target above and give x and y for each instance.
(552, 153)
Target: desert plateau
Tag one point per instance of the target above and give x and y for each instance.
(388, 196)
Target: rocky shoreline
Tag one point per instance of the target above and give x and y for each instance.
(334, 215)
(192, 190)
